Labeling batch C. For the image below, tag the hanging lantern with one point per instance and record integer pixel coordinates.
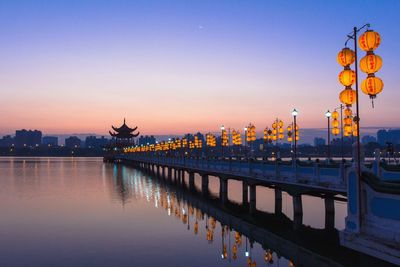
(347, 77)
(369, 40)
(335, 115)
(371, 63)
(335, 123)
(347, 120)
(348, 112)
(348, 128)
(372, 86)
(335, 131)
(346, 57)
(280, 123)
(348, 96)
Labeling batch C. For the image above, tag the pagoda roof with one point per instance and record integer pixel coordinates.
(124, 131)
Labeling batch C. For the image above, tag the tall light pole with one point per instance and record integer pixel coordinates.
(328, 115)
(222, 140)
(294, 114)
(245, 141)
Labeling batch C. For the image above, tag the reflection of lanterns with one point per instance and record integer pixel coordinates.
(234, 252)
(372, 86)
(346, 57)
(347, 77)
(371, 63)
(369, 40)
(348, 96)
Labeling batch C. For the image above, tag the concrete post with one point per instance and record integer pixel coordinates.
(252, 199)
(223, 189)
(245, 194)
(191, 181)
(204, 185)
(297, 211)
(278, 201)
(329, 213)
(376, 164)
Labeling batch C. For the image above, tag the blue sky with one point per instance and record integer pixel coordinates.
(179, 66)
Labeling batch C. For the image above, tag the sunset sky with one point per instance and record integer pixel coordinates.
(171, 67)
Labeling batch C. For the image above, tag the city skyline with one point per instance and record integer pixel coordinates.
(173, 68)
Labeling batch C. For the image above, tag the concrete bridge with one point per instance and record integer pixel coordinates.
(303, 245)
(373, 221)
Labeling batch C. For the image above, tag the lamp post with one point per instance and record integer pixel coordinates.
(328, 115)
(245, 141)
(222, 140)
(294, 114)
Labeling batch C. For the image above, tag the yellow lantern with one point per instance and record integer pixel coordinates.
(348, 128)
(346, 57)
(372, 86)
(335, 131)
(335, 115)
(369, 40)
(348, 112)
(348, 96)
(371, 63)
(345, 133)
(347, 77)
(347, 120)
(280, 124)
(335, 123)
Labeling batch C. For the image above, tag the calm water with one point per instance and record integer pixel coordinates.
(81, 212)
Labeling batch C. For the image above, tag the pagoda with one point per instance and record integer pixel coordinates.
(124, 135)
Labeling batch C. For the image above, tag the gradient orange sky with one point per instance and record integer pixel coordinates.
(177, 66)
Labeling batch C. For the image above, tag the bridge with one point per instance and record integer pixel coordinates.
(373, 221)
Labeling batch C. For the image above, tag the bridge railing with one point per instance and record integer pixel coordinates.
(288, 171)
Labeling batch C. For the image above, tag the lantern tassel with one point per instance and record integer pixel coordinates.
(372, 103)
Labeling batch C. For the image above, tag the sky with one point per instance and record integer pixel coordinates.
(173, 67)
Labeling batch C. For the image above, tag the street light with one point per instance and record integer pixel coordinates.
(245, 141)
(294, 114)
(328, 115)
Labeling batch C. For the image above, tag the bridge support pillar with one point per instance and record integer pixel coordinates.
(297, 211)
(204, 185)
(329, 213)
(169, 173)
(163, 171)
(245, 194)
(278, 201)
(191, 181)
(223, 189)
(252, 207)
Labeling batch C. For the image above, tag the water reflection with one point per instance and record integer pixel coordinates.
(264, 239)
(81, 212)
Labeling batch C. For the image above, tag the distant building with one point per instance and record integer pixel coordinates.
(7, 141)
(368, 139)
(73, 142)
(30, 138)
(319, 141)
(50, 140)
(388, 136)
(144, 140)
(94, 142)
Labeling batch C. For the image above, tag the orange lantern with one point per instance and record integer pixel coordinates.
(348, 96)
(347, 120)
(371, 63)
(372, 86)
(348, 112)
(335, 115)
(335, 123)
(346, 57)
(348, 128)
(347, 77)
(335, 131)
(369, 40)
